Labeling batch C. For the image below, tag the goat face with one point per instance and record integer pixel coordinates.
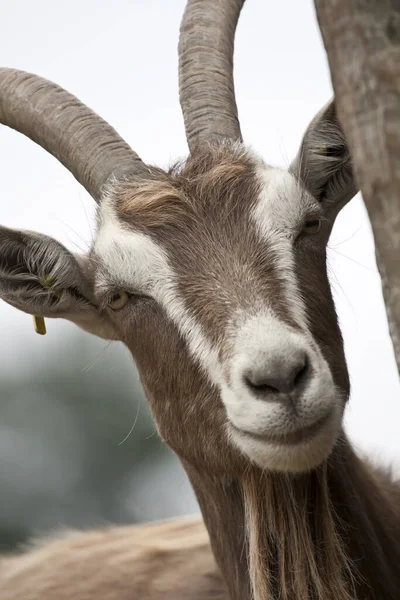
(214, 275)
(224, 267)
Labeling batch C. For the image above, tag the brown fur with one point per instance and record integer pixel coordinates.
(188, 186)
(331, 534)
(329, 539)
(167, 561)
(297, 545)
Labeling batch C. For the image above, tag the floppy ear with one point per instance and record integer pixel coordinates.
(41, 277)
(323, 161)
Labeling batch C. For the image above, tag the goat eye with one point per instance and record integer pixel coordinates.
(312, 226)
(118, 301)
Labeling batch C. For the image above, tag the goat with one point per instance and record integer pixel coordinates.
(214, 276)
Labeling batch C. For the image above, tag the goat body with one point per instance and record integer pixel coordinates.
(170, 560)
(214, 276)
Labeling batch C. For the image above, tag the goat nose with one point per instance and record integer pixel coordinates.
(278, 375)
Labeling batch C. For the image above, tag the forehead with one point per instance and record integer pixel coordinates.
(218, 204)
(282, 202)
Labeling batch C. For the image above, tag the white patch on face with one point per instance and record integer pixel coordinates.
(137, 263)
(262, 341)
(259, 423)
(280, 209)
(284, 457)
(283, 203)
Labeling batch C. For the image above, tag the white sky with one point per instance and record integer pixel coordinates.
(120, 58)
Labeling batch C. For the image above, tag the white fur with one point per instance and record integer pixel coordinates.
(259, 338)
(281, 208)
(137, 263)
(291, 458)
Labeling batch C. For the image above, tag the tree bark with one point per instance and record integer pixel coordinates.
(362, 40)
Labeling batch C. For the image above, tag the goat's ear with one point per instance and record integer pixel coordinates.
(41, 277)
(323, 163)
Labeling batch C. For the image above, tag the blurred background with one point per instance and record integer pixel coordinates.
(77, 444)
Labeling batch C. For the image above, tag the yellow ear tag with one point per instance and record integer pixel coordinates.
(321, 150)
(39, 325)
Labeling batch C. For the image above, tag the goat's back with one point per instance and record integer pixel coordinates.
(170, 560)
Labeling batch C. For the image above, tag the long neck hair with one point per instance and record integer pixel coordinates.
(332, 534)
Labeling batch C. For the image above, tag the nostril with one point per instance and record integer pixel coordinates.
(277, 377)
(301, 373)
(259, 385)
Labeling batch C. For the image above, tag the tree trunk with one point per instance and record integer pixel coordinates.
(362, 40)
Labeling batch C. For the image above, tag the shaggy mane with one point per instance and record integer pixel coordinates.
(213, 173)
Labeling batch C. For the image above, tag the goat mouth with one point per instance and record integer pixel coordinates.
(289, 438)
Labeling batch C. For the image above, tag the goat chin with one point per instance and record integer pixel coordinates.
(300, 455)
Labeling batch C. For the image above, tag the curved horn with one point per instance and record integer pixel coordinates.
(206, 85)
(88, 146)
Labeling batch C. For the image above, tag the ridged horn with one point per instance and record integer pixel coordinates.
(206, 87)
(52, 117)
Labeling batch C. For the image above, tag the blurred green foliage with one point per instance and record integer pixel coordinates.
(76, 444)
